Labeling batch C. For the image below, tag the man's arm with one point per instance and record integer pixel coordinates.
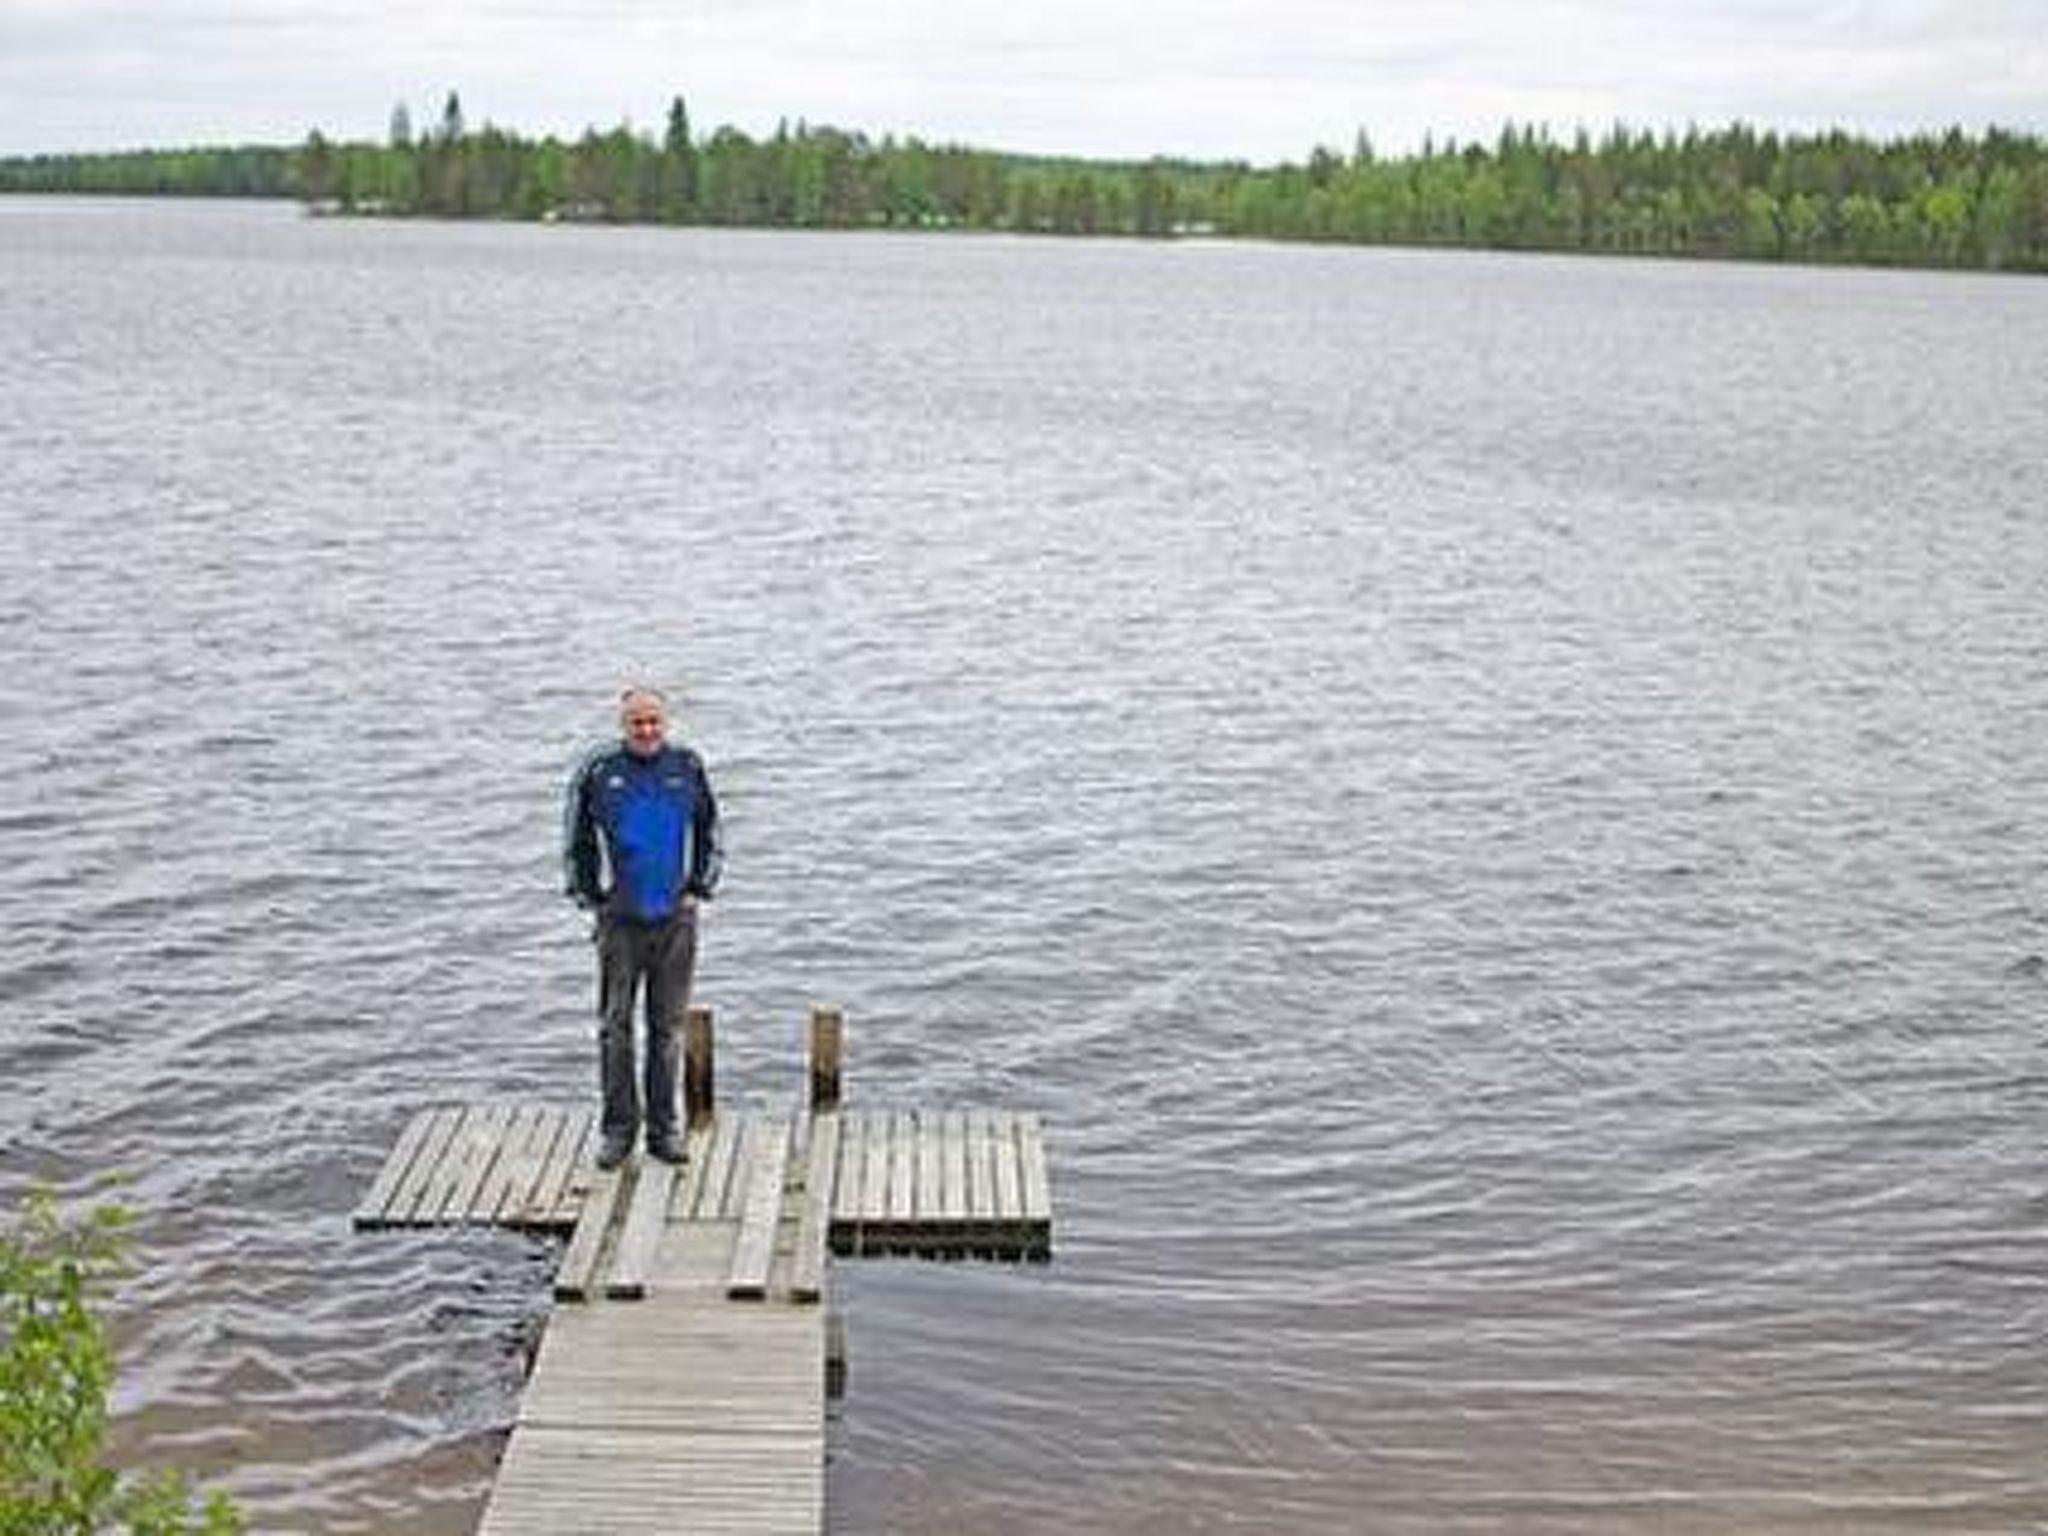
(582, 861)
(705, 840)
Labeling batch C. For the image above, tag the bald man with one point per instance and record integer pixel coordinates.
(641, 851)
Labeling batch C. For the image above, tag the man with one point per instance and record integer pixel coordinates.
(641, 849)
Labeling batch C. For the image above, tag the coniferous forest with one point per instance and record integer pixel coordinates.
(1952, 199)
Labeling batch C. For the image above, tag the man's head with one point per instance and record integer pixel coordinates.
(643, 721)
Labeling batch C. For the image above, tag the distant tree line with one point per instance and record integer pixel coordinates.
(1952, 199)
(247, 171)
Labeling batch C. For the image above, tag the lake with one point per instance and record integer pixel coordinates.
(1493, 803)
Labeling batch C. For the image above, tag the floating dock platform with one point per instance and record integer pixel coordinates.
(682, 1388)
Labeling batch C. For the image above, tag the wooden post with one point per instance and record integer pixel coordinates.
(698, 1086)
(828, 1041)
(835, 1354)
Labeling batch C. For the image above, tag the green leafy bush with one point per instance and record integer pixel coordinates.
(56, 1368)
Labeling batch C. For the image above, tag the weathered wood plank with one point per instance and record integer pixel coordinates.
(527, 1132)
(713, 1197)
(1037, 1186)
(696, 1153)
(684, 1412)
(555, 1142)
(458, 1167)
(981, 1185)
(576, 1278)
(994, 1234)
(766, 1169)
(373, 1209)
(926, 1198)
(440, 1163)
(874, 1199)
(656, 1484)
(846, 1193)
(646, 1214)
(559, 1193)
(1009, 1193)
(844, 1235)
(452, 1170)
(821, 1171)
(419, 1178)
(680, 1360)
(902, 1176)
(484, 1144)
(952, 1211)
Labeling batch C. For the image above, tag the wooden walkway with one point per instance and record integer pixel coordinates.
(905, 1181)
(684, 1391)
(688, 1392)
(680, 1413)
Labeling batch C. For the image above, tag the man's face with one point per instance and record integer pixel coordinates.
(644, 724)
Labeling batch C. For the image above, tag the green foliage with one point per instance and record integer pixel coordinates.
(1947, 200)
(56, 1369)
(247, 171)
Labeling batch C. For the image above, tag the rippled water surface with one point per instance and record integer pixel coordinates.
(1495, 805)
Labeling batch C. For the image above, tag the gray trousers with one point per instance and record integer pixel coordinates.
(659, 959)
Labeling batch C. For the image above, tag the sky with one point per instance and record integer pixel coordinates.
(1257, 80)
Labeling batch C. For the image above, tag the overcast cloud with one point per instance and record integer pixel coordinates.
(1262, 80)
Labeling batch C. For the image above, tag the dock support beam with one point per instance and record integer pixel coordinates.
(828, 1043)
(698, 1087)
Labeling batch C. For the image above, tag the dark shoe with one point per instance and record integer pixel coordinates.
(663, 1149)
(613, 1153)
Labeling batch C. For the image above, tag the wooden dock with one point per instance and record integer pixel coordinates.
(684, 1388)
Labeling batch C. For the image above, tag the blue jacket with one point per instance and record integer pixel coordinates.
(640, 833)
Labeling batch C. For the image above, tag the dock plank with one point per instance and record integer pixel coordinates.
(468, 1142)
(565, 1182)
(684, 1412)
(484, 1144)
(655, 1484)
(419, 1178)
(1008, 1180)
(713, 1195)
(981, 1185)
(514, 1162)
(680, 1360)
(696, 1153)
(844, 1234)
(1037, 1186)
(646, 1214)
(902, 1217)
(926, 1198)
(766, 1166)
(372, 1210)
(952, 1209)
(576, 1277)
(874, 1199)
(846, 1189)
(528, 1139)
(807, 1268)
